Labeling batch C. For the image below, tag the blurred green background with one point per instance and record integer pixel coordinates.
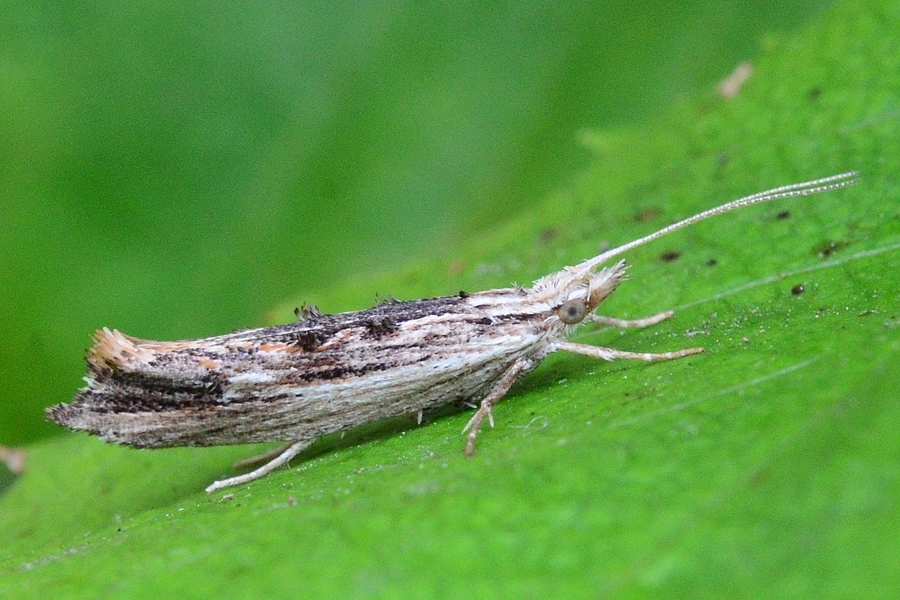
(178, 169)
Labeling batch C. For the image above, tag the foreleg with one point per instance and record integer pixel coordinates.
(613, 354)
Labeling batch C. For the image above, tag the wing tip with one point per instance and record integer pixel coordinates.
(112, 348)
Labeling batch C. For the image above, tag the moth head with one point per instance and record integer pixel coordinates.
(573, 296)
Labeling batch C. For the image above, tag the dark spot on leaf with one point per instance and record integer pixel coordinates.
(648, 214)
(547, 235)
(814, 93)
(712, 262)
(785, 214)
(829, 247)
(670, 256)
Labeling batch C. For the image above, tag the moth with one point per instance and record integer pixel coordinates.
(328, 373)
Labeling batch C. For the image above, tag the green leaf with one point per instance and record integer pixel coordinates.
(765, 468)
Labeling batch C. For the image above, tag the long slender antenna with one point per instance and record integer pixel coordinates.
(826, 184)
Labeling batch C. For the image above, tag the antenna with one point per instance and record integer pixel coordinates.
(826, 184)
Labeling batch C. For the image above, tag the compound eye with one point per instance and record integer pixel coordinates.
(572, 311)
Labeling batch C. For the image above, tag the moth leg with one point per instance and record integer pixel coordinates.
(262, 458)
(645, 322)
(494, 396)
(282, 459)
(612, 354)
